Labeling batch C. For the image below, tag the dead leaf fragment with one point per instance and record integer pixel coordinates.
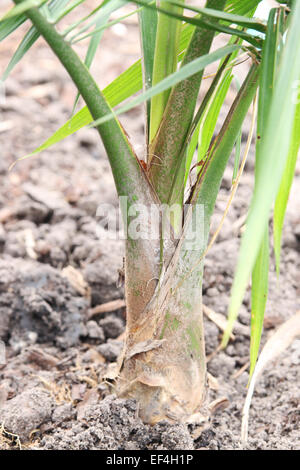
(112, 372)
(29, 242)
(90, 398)
(212, 382)
(78, 391)
(144, 346)
(216, 318)
(221, 322)
(107, 307)
(77, 281)
(218, 404)
(41, 358)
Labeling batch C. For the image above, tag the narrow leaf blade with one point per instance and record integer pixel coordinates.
(22, 8)
(184, 72)
(285, 186)
(211, 117)
(259, 289)
(148, 28)
(165, 61)
(275, 143)
(9, 25)
(259, 293)
(29, 39)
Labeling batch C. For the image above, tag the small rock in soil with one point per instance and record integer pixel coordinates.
(94, 331)
(112, 326)
(27, 412)
(34, 211)
(102, 274)
(111, 350)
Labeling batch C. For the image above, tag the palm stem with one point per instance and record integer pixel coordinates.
(166, 148)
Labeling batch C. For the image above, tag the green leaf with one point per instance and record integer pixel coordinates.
(29, 39)
(79, 36)
(192, 139)
(209, 180)
(239, 7)
(58, 9)
(285, 186)
(184, 72)
(8, 26)
(239, 20)
(206, 24)
(237, 157)
(148, 28)
(211, 116)
(238, 144)
(259, 294)
(94, 43)
(22, 8)
(129, 178)
(191, 142)
(100, 20)
(165, 61)
(275, 144)
(65, 11)
(260, 273)
(55, 9)
(193, 135)
(191, 150)
(208, 183)
(167, 158)
(124, 86)
(95, 17)
(267, 78)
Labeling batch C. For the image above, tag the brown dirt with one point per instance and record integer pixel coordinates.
(52, 393)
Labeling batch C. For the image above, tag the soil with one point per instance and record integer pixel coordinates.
(54, 269)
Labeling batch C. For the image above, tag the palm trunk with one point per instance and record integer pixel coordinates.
(163, 365)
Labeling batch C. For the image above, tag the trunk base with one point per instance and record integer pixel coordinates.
(166, 388)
